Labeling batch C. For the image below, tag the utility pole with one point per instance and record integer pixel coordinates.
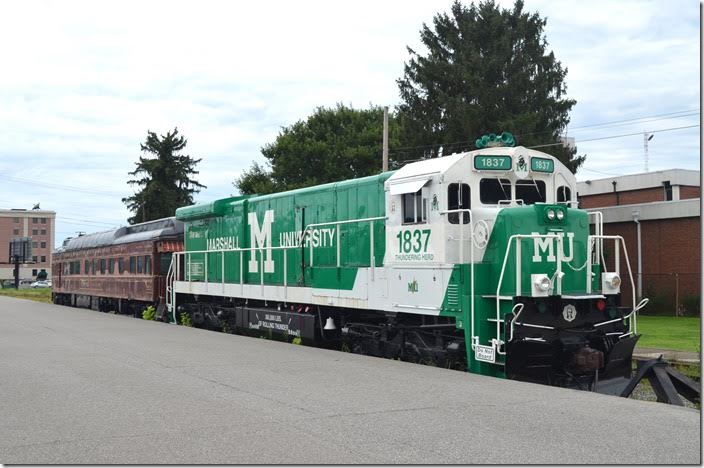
(646, 138)
(385, 147)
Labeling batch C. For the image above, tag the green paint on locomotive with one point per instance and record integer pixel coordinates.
(536, 257)
(278, 220)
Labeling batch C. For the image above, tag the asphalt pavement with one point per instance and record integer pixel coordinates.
(84, 387)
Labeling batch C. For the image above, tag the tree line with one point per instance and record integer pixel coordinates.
(484, 69)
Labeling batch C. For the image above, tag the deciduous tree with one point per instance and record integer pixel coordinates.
(332, 144)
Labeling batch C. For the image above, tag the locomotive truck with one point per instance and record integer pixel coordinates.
(479, 260)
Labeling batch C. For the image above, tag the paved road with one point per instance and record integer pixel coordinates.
(78, 386)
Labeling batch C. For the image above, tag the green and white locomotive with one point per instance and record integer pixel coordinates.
(478, 261)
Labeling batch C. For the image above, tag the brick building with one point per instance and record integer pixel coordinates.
(37, 224)
(663, 207)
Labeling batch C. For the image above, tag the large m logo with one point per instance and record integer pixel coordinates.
(261, 239)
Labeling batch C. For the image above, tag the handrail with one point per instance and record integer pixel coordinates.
(337, 235)
(177, 255)
(599, 231)
(519, 237)
(471, 264)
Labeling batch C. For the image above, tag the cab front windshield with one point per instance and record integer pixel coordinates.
(495, 191)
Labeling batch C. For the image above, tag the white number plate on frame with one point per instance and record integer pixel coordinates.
(484, 353)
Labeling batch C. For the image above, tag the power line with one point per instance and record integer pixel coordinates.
(20, 180)
(693, 112)
(618, 136)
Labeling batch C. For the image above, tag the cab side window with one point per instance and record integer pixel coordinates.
(491, 191)
(530, 191)
(458, 199)
(415, 208)
(564, 194)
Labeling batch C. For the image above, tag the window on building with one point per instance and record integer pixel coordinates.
(43, 220)
(140, 264)
(111, 266)
(43, 232)
(15, 220)
(43, 258)
(415, 208)
(148, 265)
(35, 232)
(668, 190)
(16, 232)
(458, 198)
(93, 265)
(121, 265)
(564, 194)
(34, 259)
(491, 191)
(530, 191)
(35, 220)
(34, 272)
(43, 245)
(102, 266)
(86, 267)
(35, 245)
(133, 264)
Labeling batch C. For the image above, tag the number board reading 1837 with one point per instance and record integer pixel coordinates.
(492, 163)
(542, 165)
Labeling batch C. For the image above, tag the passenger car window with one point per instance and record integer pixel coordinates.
(530, 191)
(458, 198)
(491, 191)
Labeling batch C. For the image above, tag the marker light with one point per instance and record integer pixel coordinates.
(551, 214)
(560, 215)
(601, 305)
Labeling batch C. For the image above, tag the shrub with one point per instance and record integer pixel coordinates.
(149, 313)
(186, 319)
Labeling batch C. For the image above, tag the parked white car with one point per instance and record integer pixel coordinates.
(40, 284)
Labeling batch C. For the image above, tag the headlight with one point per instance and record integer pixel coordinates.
(560, 215)
(551, 214)
(610, 283)
(543, 283)
(540, 285)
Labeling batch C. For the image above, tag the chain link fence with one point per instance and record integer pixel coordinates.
(676, 294)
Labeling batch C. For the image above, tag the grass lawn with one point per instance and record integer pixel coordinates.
(38, 294)
(677, 333)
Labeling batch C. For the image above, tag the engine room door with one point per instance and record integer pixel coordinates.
(299, 255)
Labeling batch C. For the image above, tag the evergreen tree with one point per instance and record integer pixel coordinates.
(332, 144)
(165, 180)
(486, 71)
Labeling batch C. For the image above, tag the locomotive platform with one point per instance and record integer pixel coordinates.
(84, 387)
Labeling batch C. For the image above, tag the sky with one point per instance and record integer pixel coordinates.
(82, 82)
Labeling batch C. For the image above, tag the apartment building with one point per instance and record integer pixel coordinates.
(38, 224)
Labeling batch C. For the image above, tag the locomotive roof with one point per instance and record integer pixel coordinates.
(165, 227)
(423, 170)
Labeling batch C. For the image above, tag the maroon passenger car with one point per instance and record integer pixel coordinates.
(121, 270)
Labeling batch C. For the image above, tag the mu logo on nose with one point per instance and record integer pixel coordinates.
(541, 246)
